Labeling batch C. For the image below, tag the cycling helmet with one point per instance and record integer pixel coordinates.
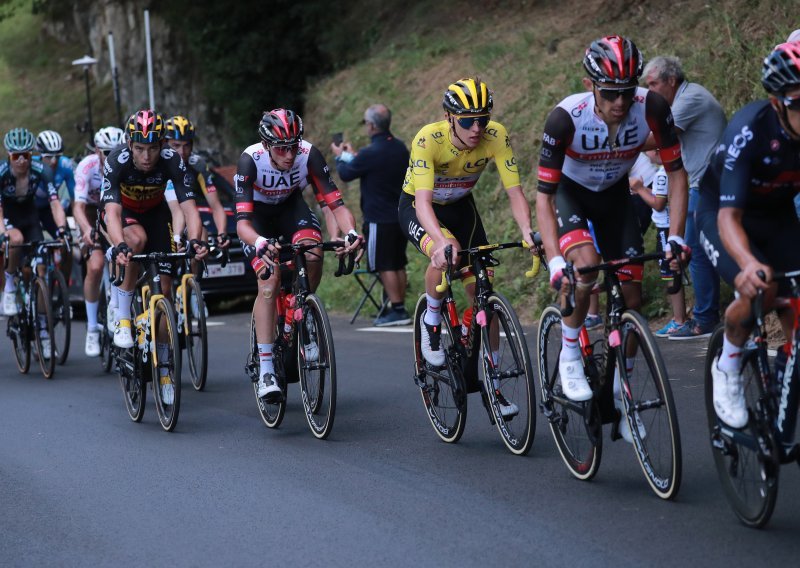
(108, 138)
(781, 68)
(613, 59)
(145, 127)
(468, 96)
(179, 128)
(19, 140)
(49, 142)
(281, 127)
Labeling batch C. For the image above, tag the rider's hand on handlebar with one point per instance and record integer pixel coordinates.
(438, 260)
(352, 242)
(200, 248)
(556, 267)
(223, 240)
(683, 258)
(267, 250)
(123, 254)
(86, 239)
(748, 281)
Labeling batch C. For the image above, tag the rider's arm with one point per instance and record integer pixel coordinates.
(81, 196)
(557, 136)
(509, 174)
(52, 193)
(325, 189)
(111, 198)
(521, 211)
(185, 193)
(659, 118)
(67, 167)
(245, 175)
(218, 212)
(2, 220)
(205, 179)
(178, 221)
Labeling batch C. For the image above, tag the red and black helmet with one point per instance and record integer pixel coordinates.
(781, 69)
(614, 59)
(280, 127)
(145, 126)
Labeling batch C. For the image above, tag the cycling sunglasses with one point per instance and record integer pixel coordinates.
(792, 103)
(50, 156)
(467, 122)
(627, 93)
(17, 155)
(286, 150)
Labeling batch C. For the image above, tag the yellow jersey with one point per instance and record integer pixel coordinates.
(437, 165)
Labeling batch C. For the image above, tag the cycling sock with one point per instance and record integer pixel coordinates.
(10, 284)
(162, 352)
(265, 359)
(124, 306)
(433, 315)
(570, 346)
(91, 315)
(113, 301)
(730, 361)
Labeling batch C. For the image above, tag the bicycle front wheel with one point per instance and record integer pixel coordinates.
(166, 363)
(62, 316)
(746, 460)
(508, 376)
(195, 333)
(272, 413)
(576, 426)
(106, 357)
(649, 406)
(42, 311)
(19, 330)
(443, 390)
(316, 362)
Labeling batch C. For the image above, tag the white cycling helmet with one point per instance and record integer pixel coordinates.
(49, 142)
(108, 138)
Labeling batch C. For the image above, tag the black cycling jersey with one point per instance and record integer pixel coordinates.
(40, 177)
(140, 191)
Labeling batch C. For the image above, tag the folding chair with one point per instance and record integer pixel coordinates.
(362, 276)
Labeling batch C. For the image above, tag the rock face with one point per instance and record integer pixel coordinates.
(178, 83)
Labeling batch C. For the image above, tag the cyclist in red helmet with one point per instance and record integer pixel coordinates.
(270, 178)
(590, 142)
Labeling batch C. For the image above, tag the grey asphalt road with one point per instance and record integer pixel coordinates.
(80, 484)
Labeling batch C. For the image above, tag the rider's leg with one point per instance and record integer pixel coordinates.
(91, 287)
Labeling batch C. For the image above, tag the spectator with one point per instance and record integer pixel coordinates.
(700, 121)
(381, 166)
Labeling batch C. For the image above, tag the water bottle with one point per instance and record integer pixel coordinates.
(466, 321)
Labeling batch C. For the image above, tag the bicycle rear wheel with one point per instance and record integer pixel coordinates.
(317, 374)
(508, 374)
(43, 330)
(649, 407)
(62, 316)
(166, 364)
(576, 426)
(746, 460)
(272, 413)
(195, 334)
(132, 381)
(443, 390)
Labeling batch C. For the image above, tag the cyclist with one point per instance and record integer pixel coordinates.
(137, 216)
(746, 216)
(270, 178)
(590, 142)
(437, 208)
(180, 134)
(50, 146)
(20, 179)
(88, 185)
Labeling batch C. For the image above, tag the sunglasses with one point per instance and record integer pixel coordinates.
(17, 155)
(467, 122)
(286, 150)
(627, 93)
(50, 156)
(792, 103)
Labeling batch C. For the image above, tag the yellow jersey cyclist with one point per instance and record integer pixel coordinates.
(437, 208)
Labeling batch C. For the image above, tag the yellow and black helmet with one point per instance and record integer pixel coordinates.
(468, 96)
(179, 128)
(145, 127)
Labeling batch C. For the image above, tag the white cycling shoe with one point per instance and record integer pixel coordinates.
(167, 391)
(573, 380)
(92, 346)
(10, 303)
(268, 388)
(122, 334)
(623, 427)
(431, 342)
(729, 402)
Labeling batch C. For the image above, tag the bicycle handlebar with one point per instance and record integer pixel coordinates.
(448, 254)
(148, 258)
(346, 266)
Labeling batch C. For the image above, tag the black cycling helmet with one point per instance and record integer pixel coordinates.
(281, 127)
(781, 68)
(613, 59)
(468, 96)
(145, 127)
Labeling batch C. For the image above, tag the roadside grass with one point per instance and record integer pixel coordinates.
(529, 54)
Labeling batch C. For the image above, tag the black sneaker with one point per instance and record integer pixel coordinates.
(392, 318)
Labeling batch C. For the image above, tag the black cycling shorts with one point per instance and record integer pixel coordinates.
(772, 239)
(157, 225)
(613, 216)
(386, 247)
(24, 218)
(292, 220)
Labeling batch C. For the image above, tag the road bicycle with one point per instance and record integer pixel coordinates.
(748, 459)
(34, 320)
(627, 354)
(491, 339)
(303, 350)
(155, 329)
(59, 297)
